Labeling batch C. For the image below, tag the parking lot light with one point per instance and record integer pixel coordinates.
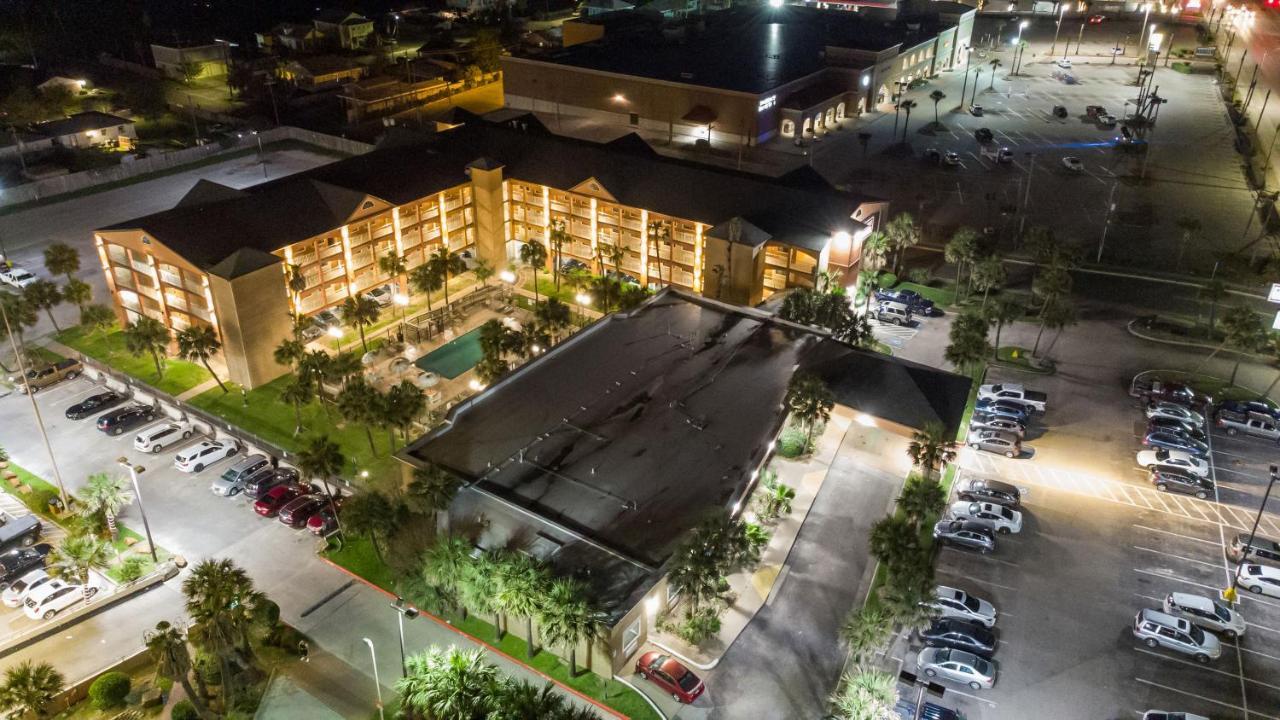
(134, 472)
(336, 333)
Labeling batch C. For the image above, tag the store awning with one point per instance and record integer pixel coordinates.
(700, 115)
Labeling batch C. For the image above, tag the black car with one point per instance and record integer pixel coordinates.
(1175, 426)
(572, 264)
(623, 277)
(16, 563)
(15, 531)
(258, 485)
(117, 421)
(961, 635)
(1169, 479)
(1059, 111)
(1240, 410)
(93, 404)
(983, 135)
(993, 491)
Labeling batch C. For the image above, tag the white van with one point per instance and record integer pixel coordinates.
(893, 312)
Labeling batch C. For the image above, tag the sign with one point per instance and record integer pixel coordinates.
(767, 103)
(1274, 295)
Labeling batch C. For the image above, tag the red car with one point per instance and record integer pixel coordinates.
(277, 497)
(1096, 19)
(299, 510)
(668, 674)
(324, 521)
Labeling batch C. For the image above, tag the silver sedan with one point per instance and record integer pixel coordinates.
(958, 666)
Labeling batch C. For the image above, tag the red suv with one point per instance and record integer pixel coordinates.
(668, 674)
(277, 497)
(299, 510)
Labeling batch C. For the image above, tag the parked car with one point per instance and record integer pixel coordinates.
(326, 319)
(52, 598)
(383, 295)
(1205, 612)
(997, 154)
(967, 535)
(1107, 121)
(203, 454)
(42, 377)
(1166, 715)
(1072, 163)
(15, 531)
(1175, 459)
(950, 158)
(1253, 426)
(277, 497)
(1261, 549)
(986, 490)
(158, 437)
(1003, 408)
(990, 515)
(961, 635)
(117, 421)
(1167, 479)
(568, 264)
(1097, 19)
(953, 603)
(16, 276)
(907, 709)
(1177, 426)
(892, 312)
(17, 592)
(1063, 63)
(1160, 629)
(1094, 111)
(299, 510)
(231, 481)
(1244, 409)
(914, 301)
(1174, 441)
(324, 521)
(258, 485)
(93, 404)
(1177, 393)
(227, 484)
(1174, 411)
(1060, 111)
(669, 674)
(957, 666)
(1013, 392)
(995, 441)
(991, 422)
(1260, 579)
(16, 563)
(975, 110)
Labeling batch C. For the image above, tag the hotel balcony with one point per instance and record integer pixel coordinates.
(331, 250)
(305, 258)
(333, 273)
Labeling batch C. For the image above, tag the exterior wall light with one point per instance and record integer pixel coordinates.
(507, 276)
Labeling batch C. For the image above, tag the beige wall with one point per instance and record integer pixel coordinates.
(741, 273)
(254, 314)
(487, 194)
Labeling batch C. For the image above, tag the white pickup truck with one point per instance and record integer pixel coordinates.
(1016, 393)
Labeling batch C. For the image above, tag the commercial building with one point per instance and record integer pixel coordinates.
(219, 257)
(598, 457)
(742, 75)
(193, 61)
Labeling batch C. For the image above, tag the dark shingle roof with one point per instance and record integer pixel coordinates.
(243, 262)
(80, 122)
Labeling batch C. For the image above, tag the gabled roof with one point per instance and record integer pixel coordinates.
(335, 16)
(207, 191)
(243, 262)
(80, 122)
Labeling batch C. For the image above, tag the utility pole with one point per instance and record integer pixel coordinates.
(271, 90)
(1080, 41)
(1106, 224)
(964, 89)
(1026, 197)
(1053, 49)
(22, 372)
(195, 124)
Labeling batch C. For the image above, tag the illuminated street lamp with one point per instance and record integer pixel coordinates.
(402, 301)
(583, 301)
(507, 276)
(377, 684)
(336, 333)
(134, 472)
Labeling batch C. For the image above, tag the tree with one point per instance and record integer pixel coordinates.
(876, 249)
(146, 335)
(962, 251)
(483, 270)
(866, 629)
(616, 254)
(903, 233)
(452, 683)
(478, 590)
(534, 254)
(994, 64)
(776, 498)
(62, 259)
(401, 405)
(75, 556)
(320, 458)
(969, 345)
(168, 649)
(21, 314)
(78, 293)
(1052, 282)
(29, 688)
(1004, 311)
(198, 343)
(554, 316)
(108, 495)
(1242, 330)
(359, 403)
(289, 352)
(299, 391)
(425, 281)
(988, 275)
(224, 608)
(522, 700)
(446, 565)
(809, 400)
(1213, 291)
(373, 515)
(444, 265)
(393, 266)
(431, 490)
(362, 311)
(907, 105)
(714, 548)
(566, 619)
(868, 284)
(930, 448)
(558, 237)
(866, 695)
(97, 317)
(522, 583)
(44, 295)
(921, 498)
(1057, 313)
(936, 96)
(894, 540)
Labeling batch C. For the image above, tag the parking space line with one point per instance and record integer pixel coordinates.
(1171, 576)
(952, 573)
(971, 697)
(1264, 628)
(1178, 557)
(1160, 499)
(1204, 667)
(1144, 681)
(1255, 652)
(1185, 537)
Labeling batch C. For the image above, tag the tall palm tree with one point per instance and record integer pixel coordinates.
(76, 556)
(554, 316)
(29, 688)
(988, 274)
(534, 254)
(44, 295)
(78, 293)
(444, 265)
(168, 649)
(615, 254)
(93, 317)
(865, 629)
(296, 283)
(994, 64)
(198, 343)
(298, 392)
(903, 233)
(425, 281)
(61, 259)
(483, 271)
(108, 495)
(875, 249)
(224, 607)
(522, 582)
(372, 514)
(930, 448)
(359, 403)
(402, 404)
(478, 590)
(566, 619)
(936, 96)
(558, 237)
(146, 335)
(961, 251)
(894, 540)
(522, 700)
(393, 266)
(810, 401)
(289, 352)
(22, 314)
(448, 683)
(921, 497)
(868, 284)
(1005, 311)
(362, 311)
(431, 490)
(968, 341)
(907, 105)
(446, 565)
(322, 459)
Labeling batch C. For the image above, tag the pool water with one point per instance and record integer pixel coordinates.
(454, 357)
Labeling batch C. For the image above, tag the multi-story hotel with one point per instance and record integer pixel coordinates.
(222, 256)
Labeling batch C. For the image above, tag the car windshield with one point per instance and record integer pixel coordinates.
(1197, 635)
(1006, 513)
(688, 682)
(982, 666)
(972, 604)
(1222, 613)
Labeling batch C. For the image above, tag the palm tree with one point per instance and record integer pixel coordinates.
(29, 688)
(865, 629)
(78, 293)
(522, 700)
(866, 695)
(224, 607)
(425, 281)
(930, 448)
(988, 275)
(372, 514)
(810, 401)
(483, 271)
(289, 352)
(1058, 312)
(1005, 311)
(362, 311)
(907, 105)
(566, 619)
(445, 264)
(321, 459)
(969, 345)
(446, 565)
(401, 405)
(1213, 291)
(478, 590)
(868, 284)
(616, 254)
(534, 254)
(875, 249)
(95, 317)
(296, 283)
(554, 315)
(936, 96)
(361, 404)
(522, 582)
(168, 649)
(146, 335)
(961, 251)
(558, 237)
(430, 491)
(894, 539)
(777, 497)
(448, 683)
(61, 259)
(902, 233)
(994, 64)
(297, 392)
(75, 556)
(393, 266)
(198, 343)
(108, 495)
(44, 295)
(921, 498)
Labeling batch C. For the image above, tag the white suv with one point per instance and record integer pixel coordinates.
(51, 598)
(157, 437)
(1205, 612)
(1159, 629)
(1260, 579)
(997, 517)
(203, 454)
(1161, 459)
(953, 603)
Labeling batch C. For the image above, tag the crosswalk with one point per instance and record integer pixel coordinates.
(1024, 472)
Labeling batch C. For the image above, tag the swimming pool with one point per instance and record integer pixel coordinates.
(454, 357)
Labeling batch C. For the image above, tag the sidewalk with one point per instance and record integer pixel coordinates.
(752, 587)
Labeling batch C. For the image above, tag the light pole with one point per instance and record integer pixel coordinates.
(1230, 593)
(1026, 198)
(134, 472)
(977, 78)
(1079, 42)
(262, 158)
(1146, 15)
(583, 301)
(964, 88)
(377, 684)
(336, 333)
(1053, 49)
(402, 301)
(35, 407)
(402, 611)
(1106, 224)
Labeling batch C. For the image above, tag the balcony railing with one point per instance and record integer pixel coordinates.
(332, 273)
(330, 251)
(304, 258)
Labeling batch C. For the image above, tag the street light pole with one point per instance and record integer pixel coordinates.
(134, 471)
(1053, 49)
(1146, 15)
(1230, 593)
(1026, 198)
(377, 684)
(35, 407)
(964, 88)
(403, 611)
(1106, 224)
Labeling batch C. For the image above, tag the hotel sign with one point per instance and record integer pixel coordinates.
(767, 103)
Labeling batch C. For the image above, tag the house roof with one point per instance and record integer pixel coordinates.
(243, 262)
(334, 16)
(80, 122)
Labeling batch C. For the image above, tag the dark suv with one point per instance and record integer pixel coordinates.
(117, 421)
(94, 403)
(994, 491)
(262, 481)
(1170, 479)
(1262, 550)
(22, 531)
(16, 563)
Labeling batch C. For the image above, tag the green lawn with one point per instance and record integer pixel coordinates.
(272, 419)
(942, 297)
(358, 556)
(108, 346)
(1020, 358)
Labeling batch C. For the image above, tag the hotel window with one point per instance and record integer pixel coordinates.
(631, 638)
(673, 594)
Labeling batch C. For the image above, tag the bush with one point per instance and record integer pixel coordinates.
(208, 668)
(792, 443)
(38, 500)
(888, 279)
(699, 625)
(131, 568)
(109, 690)
(918, 275)
(184, 710)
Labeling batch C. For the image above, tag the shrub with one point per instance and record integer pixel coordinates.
(757, 538)
(131, 568)
(792, 443)
(888, 279)
(39, 500)
(210, 671)
(699, 625)
(184, 710)
(918, 275)
(109, 690)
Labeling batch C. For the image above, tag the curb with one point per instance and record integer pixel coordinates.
(641, 693)
(449, 626)
(1179, 343)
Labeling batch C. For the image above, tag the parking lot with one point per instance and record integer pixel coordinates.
(1099, 544)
